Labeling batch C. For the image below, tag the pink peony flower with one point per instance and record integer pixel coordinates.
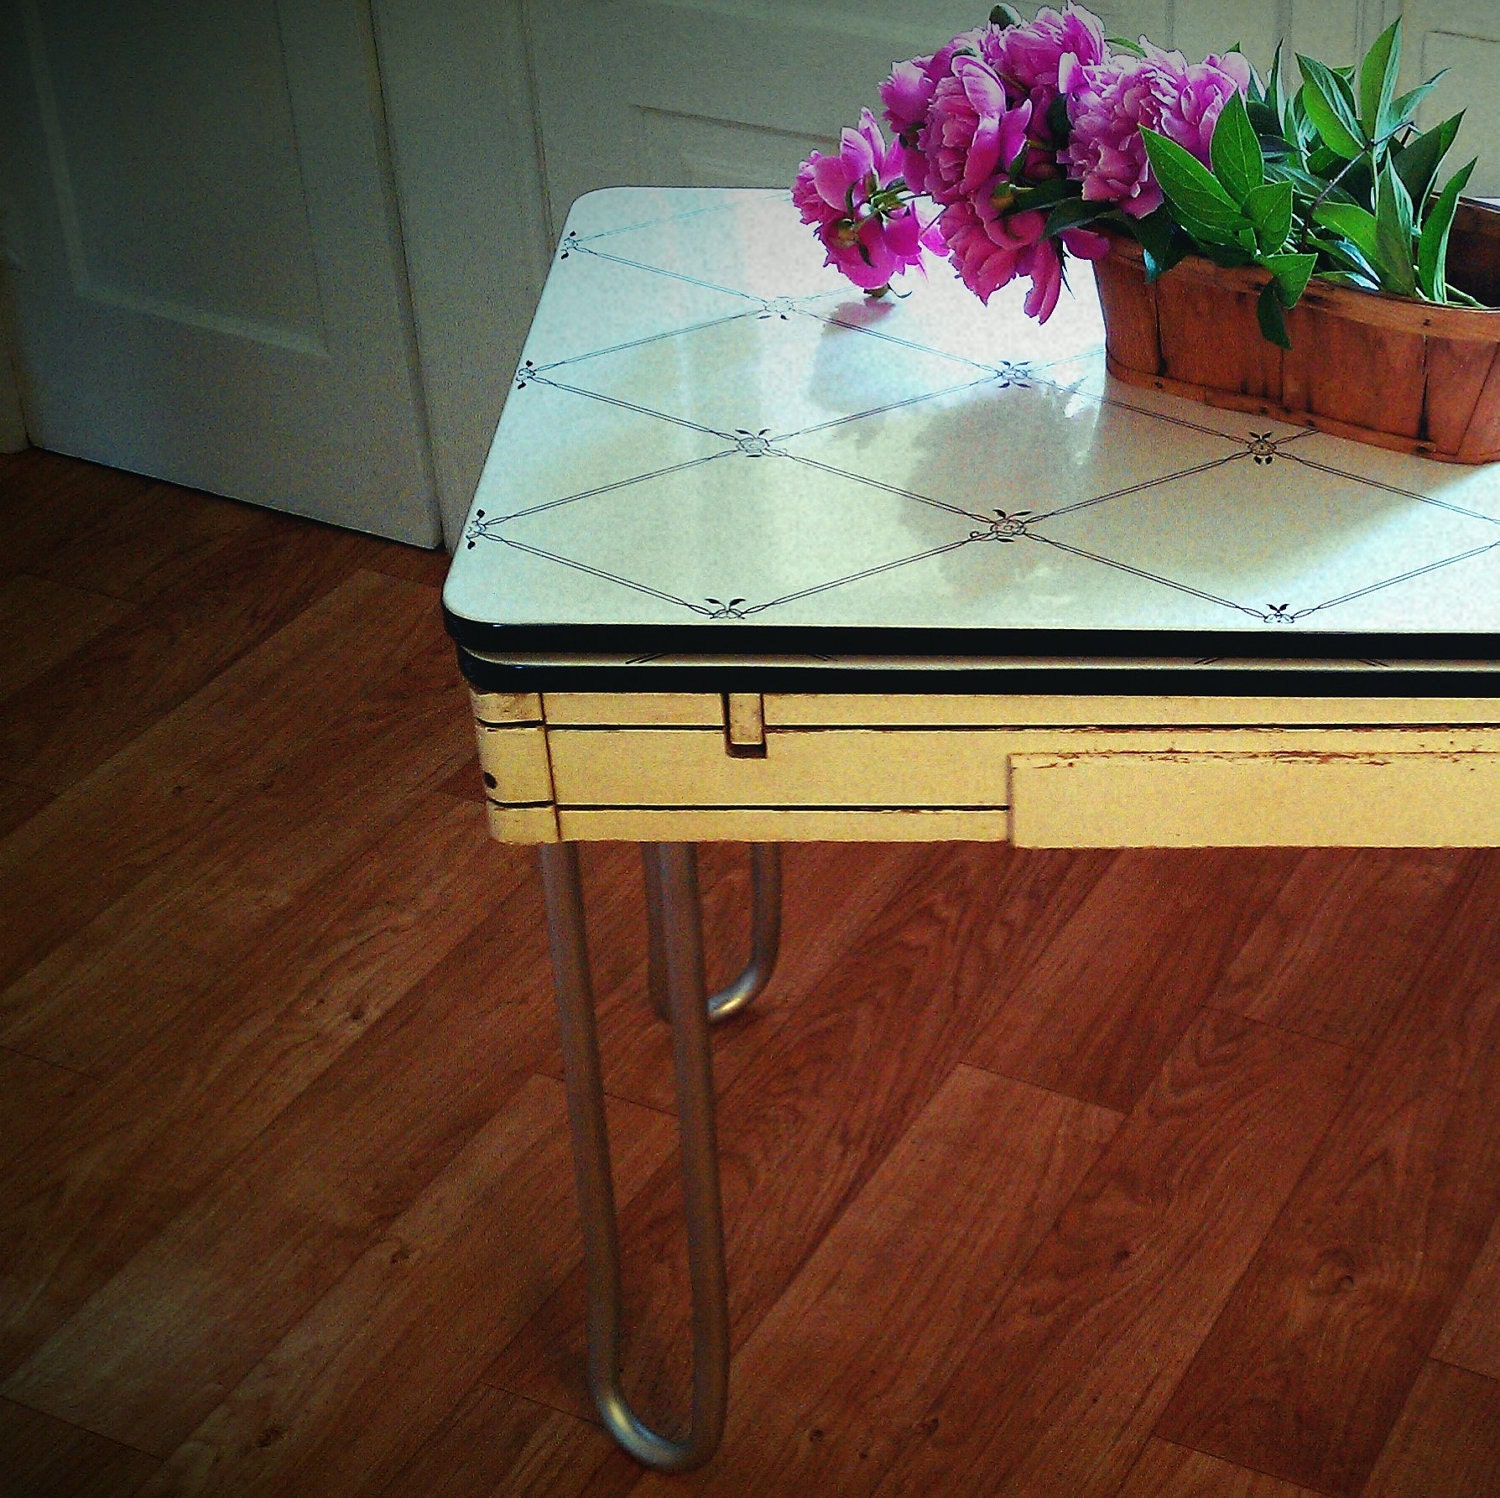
(1192, 96)
(989, 250)
(829, 188)
(986, 249)
(1038, 58)
(1110, 102)
(870, 230)
(972, 134)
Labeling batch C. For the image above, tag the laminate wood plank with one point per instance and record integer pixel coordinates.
(1309, 1366)
(1168, 1471)
(1338, 948)
(465, 782)
(495, 1444)
(836, 1079)
(1471, 1335)
(72, 718)
(45, 1458)
(1446, 1443)
(149, 541)
(101, 837)
(864, 1337)
(261, 1241)
(1099, 1011)
(113, 532)
(352, 1391)
(89, 1188)
(1060, 1389)
(33, 1096)
(18, 804)
(43, 623)
(49, 503)
(165, 897)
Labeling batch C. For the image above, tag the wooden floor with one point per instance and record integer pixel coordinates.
(1150, 1175)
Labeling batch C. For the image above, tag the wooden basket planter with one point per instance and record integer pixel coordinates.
(1395, 372)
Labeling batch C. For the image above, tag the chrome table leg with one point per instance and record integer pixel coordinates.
(676, 875)
(765, 936)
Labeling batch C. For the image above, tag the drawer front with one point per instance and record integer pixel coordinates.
(1247, 799)
(842, 768)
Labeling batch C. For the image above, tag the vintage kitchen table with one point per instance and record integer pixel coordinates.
(755, 559)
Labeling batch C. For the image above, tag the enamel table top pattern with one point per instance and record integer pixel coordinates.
(715, 440)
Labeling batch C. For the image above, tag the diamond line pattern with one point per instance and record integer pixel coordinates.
(803, 381)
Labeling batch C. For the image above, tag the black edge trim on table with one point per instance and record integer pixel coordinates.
(1120, 644)
(1019, 680)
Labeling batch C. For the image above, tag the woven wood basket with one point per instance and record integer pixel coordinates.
(1398, 373)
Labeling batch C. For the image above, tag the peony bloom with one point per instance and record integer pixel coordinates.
(907, 96)
(986, 250)
(989, 250)
(869, 230)
(1110, 102)
(972, 133)
(1192, 96)
(1037, 58)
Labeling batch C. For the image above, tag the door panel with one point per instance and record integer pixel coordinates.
(206, 280)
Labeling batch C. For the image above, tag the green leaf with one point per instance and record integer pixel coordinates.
(1419, 160)
(1269, 208)
(1229, 255)
(1204, 208)
(1393, 229)
(1303, 181)
(1044, 194)
(1073, 212)
(1124, 44)
(1292, 273)
(1265, 122)
(1344, 255)
(1058, 122)
(1005, 15)
(1330, 108)
(1271, 316)
(1406, 106)
(1162, 243)
(1353, 222)
(1432, 248)
(1275, 96)
(1350, 278)
(1377, 81)
(1235, 152)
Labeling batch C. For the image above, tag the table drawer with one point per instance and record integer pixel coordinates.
(1248, 799)
(837, 768)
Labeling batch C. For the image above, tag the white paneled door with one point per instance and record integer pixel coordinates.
(203, 255)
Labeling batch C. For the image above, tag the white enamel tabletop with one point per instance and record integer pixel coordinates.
(709, 428)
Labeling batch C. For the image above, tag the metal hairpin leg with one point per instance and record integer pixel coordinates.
(765, 935)
(676, 873)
